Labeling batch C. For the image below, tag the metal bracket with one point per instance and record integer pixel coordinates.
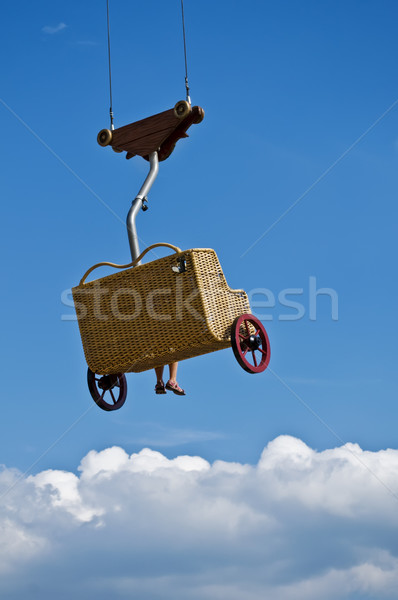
(182, 265)
(139, 202)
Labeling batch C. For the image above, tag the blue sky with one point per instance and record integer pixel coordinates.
(291, 178)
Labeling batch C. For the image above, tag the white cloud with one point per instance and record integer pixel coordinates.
(51, 29)
(300, 524)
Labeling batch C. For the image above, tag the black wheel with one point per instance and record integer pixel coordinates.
(250, 343)
(108, 391)
(182, 109)
(104, 137)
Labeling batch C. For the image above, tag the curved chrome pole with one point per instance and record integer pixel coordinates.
(137, 204)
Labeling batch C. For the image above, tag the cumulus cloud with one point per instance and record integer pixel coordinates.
(300, 524)
(52, 29)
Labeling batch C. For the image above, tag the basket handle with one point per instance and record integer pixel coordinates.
(132, 264)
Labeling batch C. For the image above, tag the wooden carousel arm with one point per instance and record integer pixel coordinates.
(158, 133)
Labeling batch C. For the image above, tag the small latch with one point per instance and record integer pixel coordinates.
(182, 266)
(144, 205)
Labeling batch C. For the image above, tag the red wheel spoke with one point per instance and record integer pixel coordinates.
(247, 329)
(113, 397)
(263, 351)
(254, 359)
(245, 352)
(103, 394)
(257, 332)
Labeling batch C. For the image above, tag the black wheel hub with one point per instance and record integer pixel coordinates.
(254, 342)
(107, 382)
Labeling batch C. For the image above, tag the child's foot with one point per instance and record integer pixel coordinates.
(174, 387)
(159, 388)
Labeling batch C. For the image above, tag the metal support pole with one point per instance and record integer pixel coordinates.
(137, 204)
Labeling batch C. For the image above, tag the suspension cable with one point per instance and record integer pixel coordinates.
(109, 66)
(185, 53)
(109, 60)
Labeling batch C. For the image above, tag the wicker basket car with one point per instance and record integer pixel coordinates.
(167, 310)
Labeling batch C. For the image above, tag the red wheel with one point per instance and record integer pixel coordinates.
(250, 343)
(108, 391)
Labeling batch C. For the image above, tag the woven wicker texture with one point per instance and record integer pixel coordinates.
(151, 315)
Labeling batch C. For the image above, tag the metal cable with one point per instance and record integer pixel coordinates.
(109, 66)
(185, 52)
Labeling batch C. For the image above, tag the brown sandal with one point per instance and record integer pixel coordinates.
(159, 388)
(174, 387)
